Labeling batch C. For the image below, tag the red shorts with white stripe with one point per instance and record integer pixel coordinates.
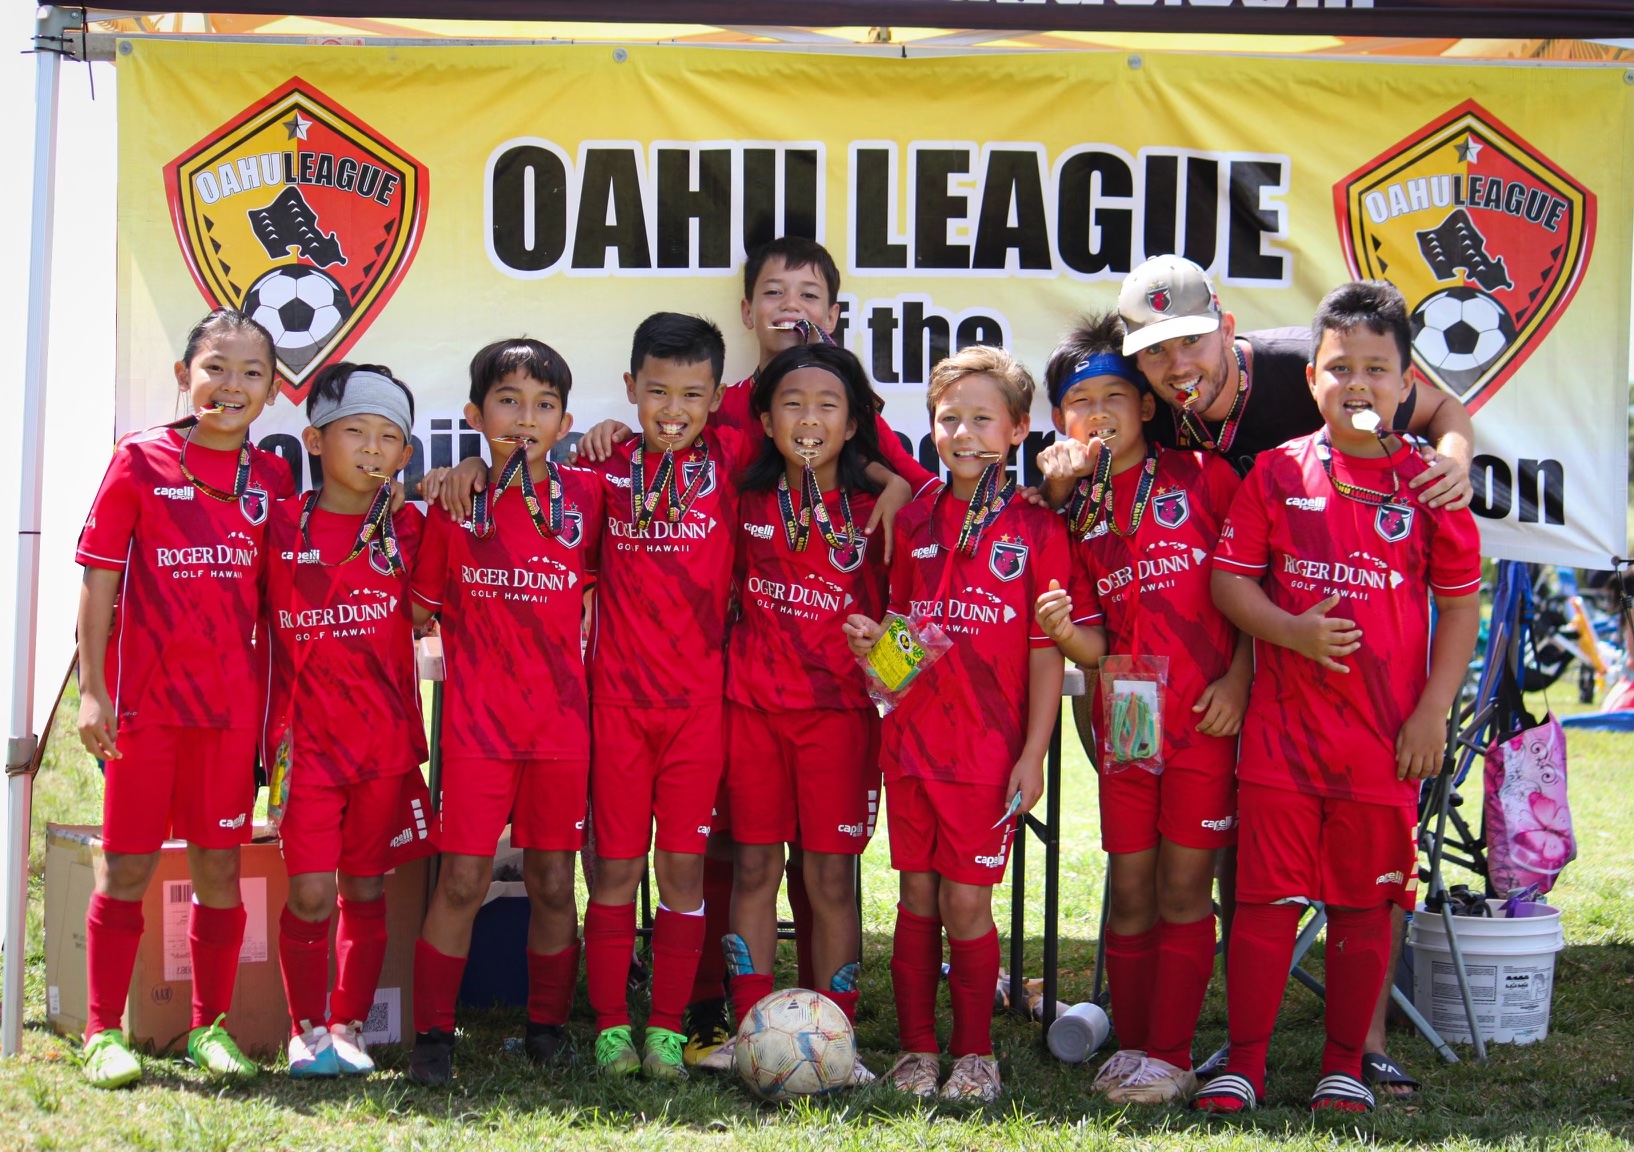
(193, 784)
(363, 829)
(1192, 803)
(948, 828)
(1341, 852)
(542, 800)
(809, 778)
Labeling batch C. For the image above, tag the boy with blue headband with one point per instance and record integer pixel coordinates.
(1144, 521)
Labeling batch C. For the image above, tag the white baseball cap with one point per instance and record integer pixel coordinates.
(1166, 297)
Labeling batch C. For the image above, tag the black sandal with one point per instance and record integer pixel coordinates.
(1384, 1073)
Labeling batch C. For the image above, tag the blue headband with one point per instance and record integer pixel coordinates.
(1099, 364)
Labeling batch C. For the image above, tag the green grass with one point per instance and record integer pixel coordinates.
(1571, 1091)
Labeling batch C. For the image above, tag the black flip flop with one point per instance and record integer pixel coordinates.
(1383, 1072)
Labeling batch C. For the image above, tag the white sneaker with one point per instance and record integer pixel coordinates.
(722, 1059)
(311, 1053)
(915, 1073)
(973, 1078)
(1121, 1065)
(1155, 1082)
(860, 1076)
(351, 1053)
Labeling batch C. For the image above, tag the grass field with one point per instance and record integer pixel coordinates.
(1573, 1091)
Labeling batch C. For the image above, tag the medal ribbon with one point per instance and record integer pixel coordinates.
(797, 526)
(376, 521)
(644, 501)
(1370, 496)
(547, 523)
(1093, 497)
(987, 503)
(1193, 427)
(241, 478)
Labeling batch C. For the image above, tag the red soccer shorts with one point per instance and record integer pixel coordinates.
(807, 778)
(1192, 803)
(947, 828)
(542, 800)
(1341, 852)
(654, 764)
(193, 784)
(363, 829)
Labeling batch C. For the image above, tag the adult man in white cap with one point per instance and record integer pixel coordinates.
(1241, 394)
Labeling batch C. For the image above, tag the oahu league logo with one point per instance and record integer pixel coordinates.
(300, 214)
(1486, 238)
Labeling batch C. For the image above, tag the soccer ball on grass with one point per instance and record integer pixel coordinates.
(795, 1043)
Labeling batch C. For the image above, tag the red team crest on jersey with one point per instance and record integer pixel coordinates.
(1170, 509)
(1483, 234)
(849, 558)
(1393, 521)
(1008, 559)
(253, 503)
(300, 214)
(572, 529)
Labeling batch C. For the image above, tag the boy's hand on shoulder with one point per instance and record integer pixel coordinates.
(1420, 744)
(1223, 704)
(598, 443)
(1054, 612)
(1324, 638)
(861, 633)
(98, 726)
(451, 489)
(896, 495)
(1445, 482)
(1027, 777)
(1067, 460)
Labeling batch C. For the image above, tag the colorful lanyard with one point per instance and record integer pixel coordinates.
(241, 479)
(516, 470)
(644, 501)
(1369, 496)
(1192, 426)
(797, 526)
(1093, 497)
(377, 520)
(987, 503)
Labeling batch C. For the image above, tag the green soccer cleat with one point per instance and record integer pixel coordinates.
(664, 1058)
(615, 1053)
(209, 1047)
(109, 1062)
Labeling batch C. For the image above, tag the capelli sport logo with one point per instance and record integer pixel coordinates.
(300, 214)
(1483, 234)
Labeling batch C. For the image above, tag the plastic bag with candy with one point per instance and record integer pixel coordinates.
(1132, 693)
(907, 646)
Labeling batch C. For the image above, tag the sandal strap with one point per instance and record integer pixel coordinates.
(1342, 1088)
(1228, 1086)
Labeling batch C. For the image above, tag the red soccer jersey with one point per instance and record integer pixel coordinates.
(1323, 732)
(180, 651)
(1151, 590)
(965, 717)
(788, 651)
(737, 412)
(660, 626)
(343, 644)
(509, 609)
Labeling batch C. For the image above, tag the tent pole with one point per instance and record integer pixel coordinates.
(50, 25)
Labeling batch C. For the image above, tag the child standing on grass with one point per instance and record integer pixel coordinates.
(1348, 711)
(969, 737)
(802, 736)
(1144, 521)
(169, 696)
(344, 708)
(507, 587)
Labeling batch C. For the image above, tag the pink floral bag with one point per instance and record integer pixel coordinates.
(1528, 823)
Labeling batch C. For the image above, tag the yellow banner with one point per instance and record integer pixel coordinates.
(405, 206)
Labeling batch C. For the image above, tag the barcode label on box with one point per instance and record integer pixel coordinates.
(178, 902)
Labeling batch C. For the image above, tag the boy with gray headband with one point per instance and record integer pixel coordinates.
(344, 738)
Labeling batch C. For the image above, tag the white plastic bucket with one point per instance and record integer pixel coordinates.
(1078, 1032)
(1511, 968)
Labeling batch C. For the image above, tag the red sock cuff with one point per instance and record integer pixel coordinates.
(115, 915)
(551, 977)
(437, 978)
(218, 927)
(847, 1002)
(1118, 944)
(363, 911)
(747, 991)
(303, 931)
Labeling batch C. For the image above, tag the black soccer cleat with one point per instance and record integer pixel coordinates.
(547, 1044)
(431, 1064)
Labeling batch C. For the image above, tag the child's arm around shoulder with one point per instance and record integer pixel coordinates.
(427, 584)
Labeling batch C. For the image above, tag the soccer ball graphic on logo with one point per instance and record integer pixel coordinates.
(302, 307)
(795, 1043)
(1459, 332)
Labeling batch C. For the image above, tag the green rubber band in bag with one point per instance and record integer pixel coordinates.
(1132, 697)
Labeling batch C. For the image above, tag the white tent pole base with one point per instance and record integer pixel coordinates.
(20, 747)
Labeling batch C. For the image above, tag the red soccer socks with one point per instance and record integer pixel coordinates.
(360, 953)
(436, 987)
(214, 937)
(609, 938)
(973, 974)
(1262, 947)
(1185, 961)
(113, 933)
(1358, 951)
(303, 959)
(550, 984)
(916, 970)
(1131, 971)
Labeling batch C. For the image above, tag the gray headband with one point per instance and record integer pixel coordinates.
(367, 393)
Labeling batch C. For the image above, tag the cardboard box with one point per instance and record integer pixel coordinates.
(160, 1004)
